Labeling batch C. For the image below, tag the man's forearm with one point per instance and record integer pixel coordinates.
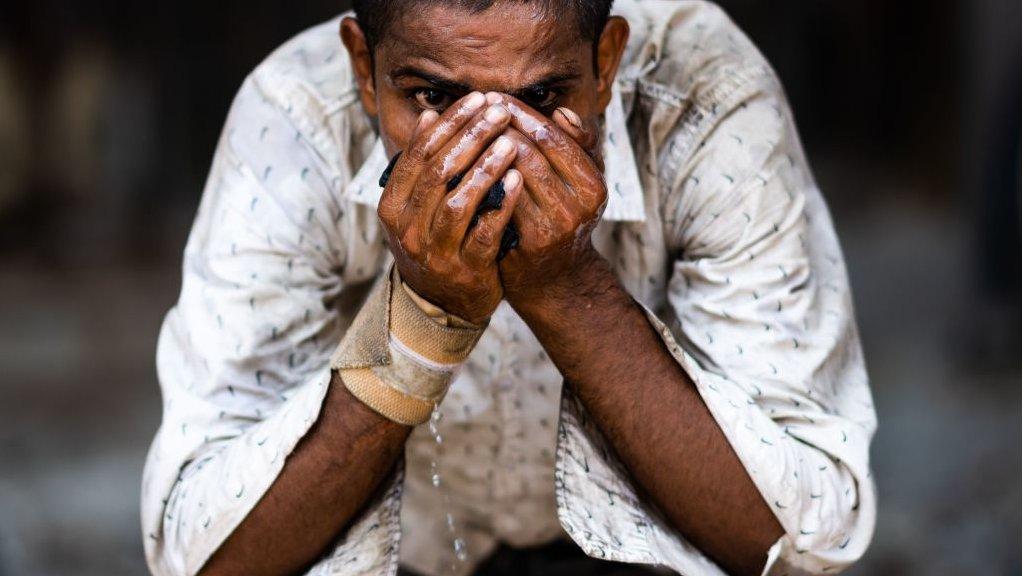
(649, 409)
(326, 481)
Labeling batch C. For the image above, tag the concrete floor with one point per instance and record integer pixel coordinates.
(79, 403)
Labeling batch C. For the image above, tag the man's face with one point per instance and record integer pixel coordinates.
(429, 59)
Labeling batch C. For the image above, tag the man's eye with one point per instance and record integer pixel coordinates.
(541, 97)
(430, 99)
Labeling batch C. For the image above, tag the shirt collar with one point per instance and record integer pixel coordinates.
(625, 192)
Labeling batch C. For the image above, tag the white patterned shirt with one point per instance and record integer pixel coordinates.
(713, 223)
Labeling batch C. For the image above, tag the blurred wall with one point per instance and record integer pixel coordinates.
(109, 112)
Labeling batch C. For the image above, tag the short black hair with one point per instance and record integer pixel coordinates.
(375, 15)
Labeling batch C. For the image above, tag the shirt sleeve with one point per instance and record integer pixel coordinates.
(759, 315)
(243, 356)
(762, 321)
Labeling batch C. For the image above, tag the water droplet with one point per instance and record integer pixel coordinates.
(458, 544)
(435, 419)
(460, 549)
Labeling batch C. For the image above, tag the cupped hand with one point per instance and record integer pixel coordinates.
(564, 197)
(430, 197)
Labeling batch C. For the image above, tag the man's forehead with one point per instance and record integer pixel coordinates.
(510, 44)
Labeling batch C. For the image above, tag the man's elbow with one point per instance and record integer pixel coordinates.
(751, 558)
(840, 537)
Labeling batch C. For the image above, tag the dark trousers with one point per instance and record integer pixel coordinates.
(559, 558)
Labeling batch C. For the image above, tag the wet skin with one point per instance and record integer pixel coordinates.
(544, 94)
(509, 93)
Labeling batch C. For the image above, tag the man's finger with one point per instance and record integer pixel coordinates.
(429, 137)
(568, 158)
(483, 241)
(544, 187)
(455, 214)
(464, 147)
(571, 124)
(394, 197)
(587, 138)
(427, 144)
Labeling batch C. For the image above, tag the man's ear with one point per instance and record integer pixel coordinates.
(362, 62)
(610, 47)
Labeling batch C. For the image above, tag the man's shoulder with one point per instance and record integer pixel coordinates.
(310, 69)
(305, 88)
(691, 52)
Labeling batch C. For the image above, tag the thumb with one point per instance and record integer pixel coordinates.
(572, 125)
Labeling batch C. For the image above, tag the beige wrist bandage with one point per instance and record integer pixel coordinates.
(401, 352)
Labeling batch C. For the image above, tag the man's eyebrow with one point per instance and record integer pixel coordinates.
(459, 88)
(443, 83)
(546, 82)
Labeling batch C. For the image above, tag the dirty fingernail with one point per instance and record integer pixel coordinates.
(496, 113)
(475, 100)
(426, 118)
(572, 117)
(503, 146)
(511, 179)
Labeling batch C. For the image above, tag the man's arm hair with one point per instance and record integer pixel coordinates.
(652, 414)
(333, 472)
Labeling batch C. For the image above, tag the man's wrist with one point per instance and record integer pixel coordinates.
(438, 314)
(573, 310)
(588, 282)
(397, 358)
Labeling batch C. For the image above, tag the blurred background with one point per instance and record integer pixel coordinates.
(109, 113)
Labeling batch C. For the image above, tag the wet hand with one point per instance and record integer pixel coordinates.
(427, 209)
(564, 197)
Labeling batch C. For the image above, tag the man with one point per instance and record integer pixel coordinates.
(487, 199)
